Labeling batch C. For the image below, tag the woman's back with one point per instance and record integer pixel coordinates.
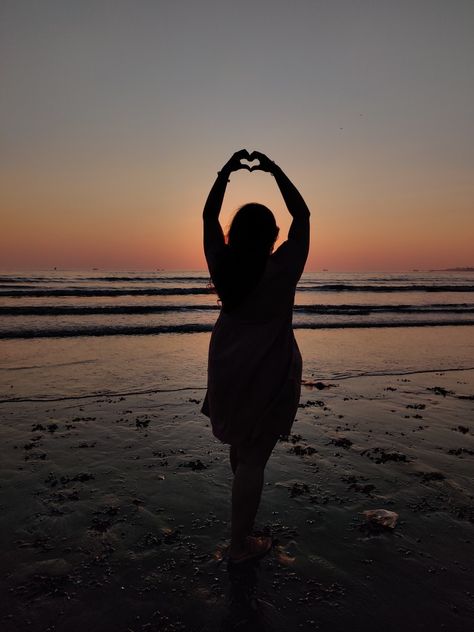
(273, 296)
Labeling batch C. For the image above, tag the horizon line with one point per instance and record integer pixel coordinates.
(157, 269)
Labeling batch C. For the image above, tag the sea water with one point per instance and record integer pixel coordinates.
(79, 333)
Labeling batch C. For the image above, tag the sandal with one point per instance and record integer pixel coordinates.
(257, 547)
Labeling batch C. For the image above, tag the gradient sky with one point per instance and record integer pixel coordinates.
(115, 117)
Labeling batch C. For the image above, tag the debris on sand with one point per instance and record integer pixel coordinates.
(462, 429)
(379, 455)
(195, 465)
(354, 484)
(381, 518)
(318, 385)
(302, 450)
(439, 390)
(342, 442)
(427, 477)
(53, 480)
(142, 423)
(460, 451)
(297, 489)
(310, 403)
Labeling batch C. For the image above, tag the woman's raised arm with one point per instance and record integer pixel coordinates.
(213, 235)
(299, 229)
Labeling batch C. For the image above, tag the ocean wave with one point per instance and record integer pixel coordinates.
(82, 310)
(192, 328)
(204, 289)
(365, 310)
(345, 310)
(412, 287)
(162, 291)
(112, 278)
(143, 279)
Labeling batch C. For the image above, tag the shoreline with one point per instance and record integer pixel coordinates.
(205, 328)
(151, 391)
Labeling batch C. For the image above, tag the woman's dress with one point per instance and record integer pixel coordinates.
(254, 364)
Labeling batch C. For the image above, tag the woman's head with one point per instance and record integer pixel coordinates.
(253, 230)
(250, 240)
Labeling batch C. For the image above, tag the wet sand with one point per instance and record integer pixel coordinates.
(115, 513)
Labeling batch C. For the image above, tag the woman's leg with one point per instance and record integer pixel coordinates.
(233, 458)
(247, 488)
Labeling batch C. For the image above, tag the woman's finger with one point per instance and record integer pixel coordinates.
(242, 153)
(234, 163)
(265, 164)
(257, 155)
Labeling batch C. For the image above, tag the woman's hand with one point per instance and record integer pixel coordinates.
(234, 163)
(213, 204)
(265, 164)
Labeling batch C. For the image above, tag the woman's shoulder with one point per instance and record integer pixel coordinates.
(289, 259)
(287, 252)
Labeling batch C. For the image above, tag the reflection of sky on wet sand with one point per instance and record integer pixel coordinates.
(122, 364)
(131, 493)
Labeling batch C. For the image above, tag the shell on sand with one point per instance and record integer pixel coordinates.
(382, 517)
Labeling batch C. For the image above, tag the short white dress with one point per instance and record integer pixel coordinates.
(254, 364)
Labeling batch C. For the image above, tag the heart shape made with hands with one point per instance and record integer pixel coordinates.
(252, 164)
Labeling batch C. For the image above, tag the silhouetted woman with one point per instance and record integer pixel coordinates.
(254, 370)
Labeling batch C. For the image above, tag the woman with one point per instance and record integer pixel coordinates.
(254, 369)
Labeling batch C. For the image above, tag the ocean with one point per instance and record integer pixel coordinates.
(81, 334)
(98, 303)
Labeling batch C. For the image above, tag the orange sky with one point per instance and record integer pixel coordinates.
(114, 126)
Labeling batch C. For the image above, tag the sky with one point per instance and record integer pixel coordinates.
(116, 115)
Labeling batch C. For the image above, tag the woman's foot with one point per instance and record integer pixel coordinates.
(253, 548)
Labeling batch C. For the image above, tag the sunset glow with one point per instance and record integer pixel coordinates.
(115, 119)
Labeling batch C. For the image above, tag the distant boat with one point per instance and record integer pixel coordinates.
(325, 270)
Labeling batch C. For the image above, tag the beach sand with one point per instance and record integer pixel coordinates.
(115, 513)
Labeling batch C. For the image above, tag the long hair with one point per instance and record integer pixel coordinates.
(252, 234)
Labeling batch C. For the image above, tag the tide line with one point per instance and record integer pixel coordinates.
(61, 398)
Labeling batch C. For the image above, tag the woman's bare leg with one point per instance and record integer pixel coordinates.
(247, 490)
(246, 493)
(233, 458)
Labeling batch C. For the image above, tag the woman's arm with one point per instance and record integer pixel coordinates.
(299, 229)
(213, 234)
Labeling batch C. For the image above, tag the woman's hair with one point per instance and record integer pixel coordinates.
(252, 234)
